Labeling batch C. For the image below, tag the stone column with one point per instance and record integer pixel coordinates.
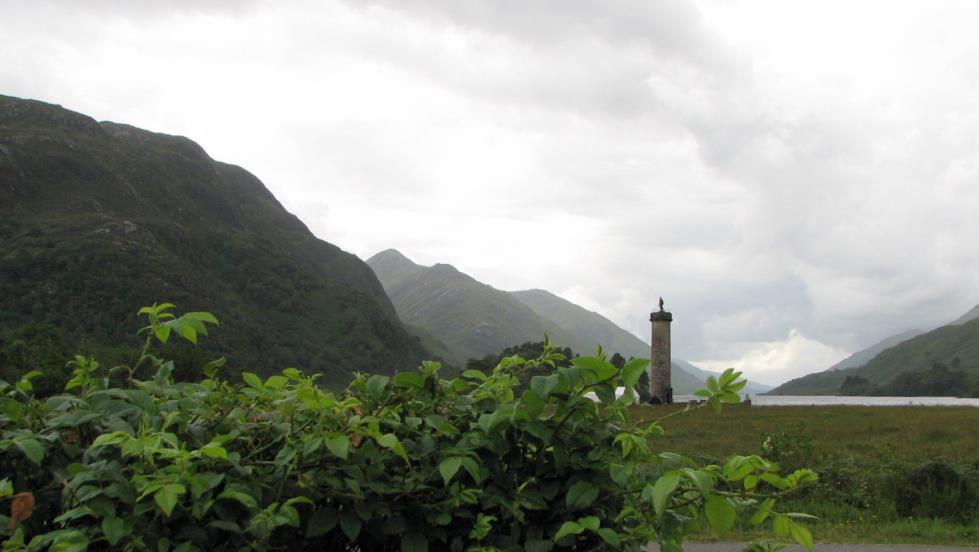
(660, 383)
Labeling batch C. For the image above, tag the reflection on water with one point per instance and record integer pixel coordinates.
(826, 400)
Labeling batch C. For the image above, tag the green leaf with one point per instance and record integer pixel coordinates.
(703, 480)
(6, 488)
(763, 511)
(70, 541)
(569, 528)
(620, 473)
(633, 370)
(156, 309)
(781, 525)
(409, 379)
(600, 369)
(610, 537)
(449, 467)
(166, 497)
(441, 424)
(774, 480)
(414, 542)
(581, 495)
(276, 382)
(202, 316)
(252, 380)
(487, 422)
(474, 374)
(187, 331)
(800, 534)
(543, 386)
(31, 447)
(245, 499)
(214, 450)
(162, 333)
(322, 522)
(592, 523)
(338, 445)
(376, 385)
(350, 524)
(662, 490)
(720, 514)
(114, 529)
(472, 468)
(211, 368)
(390, 441)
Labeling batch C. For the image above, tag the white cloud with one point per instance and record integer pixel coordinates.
(763, 166)
(779, 361)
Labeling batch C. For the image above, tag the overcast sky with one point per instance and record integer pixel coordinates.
(797, 179)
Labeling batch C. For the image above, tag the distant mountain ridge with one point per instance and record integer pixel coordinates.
(860, 358)
(953, 345)
(752, 388)
(470, 317)
(453, 307)
(99, 219)
(973, 314)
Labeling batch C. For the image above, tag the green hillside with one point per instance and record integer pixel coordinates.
(943, 345)
(895, 370)
(98, 219)
(470, 317)
(585, 324)
(973, 314)
(828, 382)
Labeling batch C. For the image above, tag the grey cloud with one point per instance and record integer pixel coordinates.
(145, 8)
(628, 149)
(670, 25)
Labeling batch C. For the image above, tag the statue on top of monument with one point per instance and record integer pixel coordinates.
(661, 304)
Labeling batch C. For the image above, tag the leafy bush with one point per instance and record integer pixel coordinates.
(937, 490)
(791, 449)
(128, 459)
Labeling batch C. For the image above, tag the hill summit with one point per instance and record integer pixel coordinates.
(99, 219)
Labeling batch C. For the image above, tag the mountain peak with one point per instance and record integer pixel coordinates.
(391, 266)
(392, 256)
(967, 317)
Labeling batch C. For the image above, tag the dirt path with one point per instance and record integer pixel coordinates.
(737, 547)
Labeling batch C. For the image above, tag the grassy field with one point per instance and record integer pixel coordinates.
(865, 457)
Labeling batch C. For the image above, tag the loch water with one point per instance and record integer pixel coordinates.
(832, 400)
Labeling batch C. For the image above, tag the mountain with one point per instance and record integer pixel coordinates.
(973, 314)
(99, 219)
(583, 323)
(866, 355)
(828, 382)
(752, 388)
(470, 317)
(955, 346)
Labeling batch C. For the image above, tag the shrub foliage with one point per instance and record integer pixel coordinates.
(127, 458)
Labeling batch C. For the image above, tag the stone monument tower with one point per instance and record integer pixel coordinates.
(660, 384)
